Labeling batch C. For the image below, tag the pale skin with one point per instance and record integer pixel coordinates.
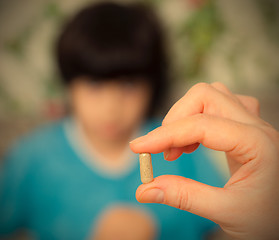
(125, 223)
(209, 114)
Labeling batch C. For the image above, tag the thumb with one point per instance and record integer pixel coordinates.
(186, 194)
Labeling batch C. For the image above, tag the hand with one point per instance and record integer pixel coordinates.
(248, 205)
(125, 223)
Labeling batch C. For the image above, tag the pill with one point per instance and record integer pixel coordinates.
(146, 171)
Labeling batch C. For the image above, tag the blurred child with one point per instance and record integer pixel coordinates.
(76, 179)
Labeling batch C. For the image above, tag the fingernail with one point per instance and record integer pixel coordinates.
(154, 195)
(166, 155)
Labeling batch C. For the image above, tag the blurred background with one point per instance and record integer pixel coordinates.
(235, 42)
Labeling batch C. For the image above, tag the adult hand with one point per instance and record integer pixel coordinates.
(247, 207)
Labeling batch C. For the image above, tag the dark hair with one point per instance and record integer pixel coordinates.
(108, 40)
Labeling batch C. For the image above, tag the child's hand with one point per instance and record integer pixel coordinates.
(248, 205)
(124, 223)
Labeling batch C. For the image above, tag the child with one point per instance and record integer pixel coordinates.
(76, 178)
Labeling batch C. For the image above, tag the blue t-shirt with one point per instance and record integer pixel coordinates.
(48, 187)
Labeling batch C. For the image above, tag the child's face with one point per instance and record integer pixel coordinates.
(110, 110)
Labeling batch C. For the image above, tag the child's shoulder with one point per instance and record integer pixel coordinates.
(40, 139)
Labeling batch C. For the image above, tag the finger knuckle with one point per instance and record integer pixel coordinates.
(183, 200)
(201, 88)
(219, 85)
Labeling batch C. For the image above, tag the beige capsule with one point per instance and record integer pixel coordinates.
(146, 170)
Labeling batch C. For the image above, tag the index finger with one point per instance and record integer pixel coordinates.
(213, 132)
